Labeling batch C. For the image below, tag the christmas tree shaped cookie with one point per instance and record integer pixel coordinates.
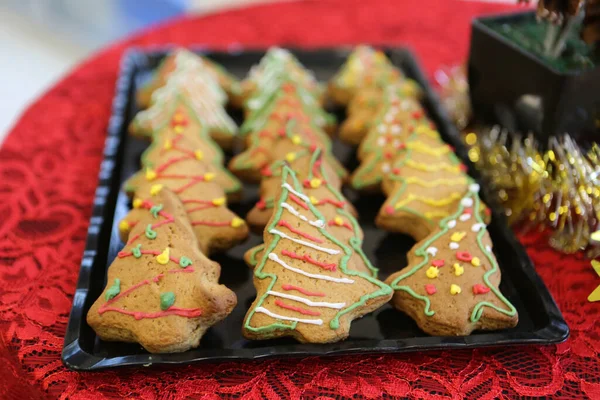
(396, 120)
(281, 97)
(363, 108)
(425, 185)
(274, 140)
(221, 82)
(322, 187)
(161, 291)
(204, 109)
(184, 140)
(304, 286)
(275, 63)
(450, 286)
(185, 171)
(364, 67)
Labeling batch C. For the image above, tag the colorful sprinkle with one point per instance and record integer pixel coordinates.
(150, 174)
(480, 289)
(432, 272)
(155, 189)
(163, 258)
(114, 290)
(464, 256)
(185, 262)
(124, 226)
(475, 262)
(166, 300)
(455, 289)
(430, 289)
(437, 263)
(458, 270)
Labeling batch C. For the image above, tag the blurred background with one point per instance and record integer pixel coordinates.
(43, 39)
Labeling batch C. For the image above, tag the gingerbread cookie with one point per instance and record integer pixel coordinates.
(275, 63)
(304, 286)
(284, 96)
(222, 83)
(185, 137)
(450, 286)
(281, 135)
(194, 179)
(395, 121)
(425, 185)
(364, 106)
(204, 110)
(161, 291)
(322, 188)
(364, 67)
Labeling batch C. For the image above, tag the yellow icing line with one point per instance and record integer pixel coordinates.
(432, 167)
(429, 201)
(437, 182)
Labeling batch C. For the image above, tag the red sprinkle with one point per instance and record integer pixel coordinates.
(463, 167)
(417, 114)
(401, 146)
(266, 171)
(468, 211)
(390, 210)
(487, 211)
(431, 289)
(464, 256)
(396, 171)
(389, 155)
(261, 205)
(480, 289)
(437, 263)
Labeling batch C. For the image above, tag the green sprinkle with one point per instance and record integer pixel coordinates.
(137, 252)
(114, 290)
(185, 262)
(150, 234)
(166, 300)
(155, 210)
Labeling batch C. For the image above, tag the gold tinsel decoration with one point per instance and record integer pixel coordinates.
(556, 188)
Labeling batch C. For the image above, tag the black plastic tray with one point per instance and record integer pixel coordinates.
(386, 330)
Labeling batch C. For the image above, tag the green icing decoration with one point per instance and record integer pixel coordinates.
(137, 251)
(254, 252)
(184, 262)
(154, 210)
(166, 300)
(258, 272)
(114, 290)
(150, 234)
(421, 252)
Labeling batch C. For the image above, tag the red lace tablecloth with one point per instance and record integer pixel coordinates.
(48, 174)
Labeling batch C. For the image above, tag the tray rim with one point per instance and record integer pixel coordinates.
(74, 357)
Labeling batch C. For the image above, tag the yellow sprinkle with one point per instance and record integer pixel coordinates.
(432, 272)
(458, 270)
(338, 221)
(455, 289)
(168, 144)
(315, 183)
(178, 129)
(150, 174)
(219, 201)
(595, 236)
(199, 154)
(209, 176)
(457, 236)
(296, 139)
(163, 258)
(290, 157)
(137, 203)
(155, 189)
(475, 262)
(422, 129)
(237, 222)
(313, 200)
(124, 226)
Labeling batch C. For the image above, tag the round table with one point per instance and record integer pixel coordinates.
(48, 174)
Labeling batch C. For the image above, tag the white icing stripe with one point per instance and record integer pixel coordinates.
(274, 257)
(318, 223)
(277, 316)
(291, 189)
(305, 243)
(307, 301)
